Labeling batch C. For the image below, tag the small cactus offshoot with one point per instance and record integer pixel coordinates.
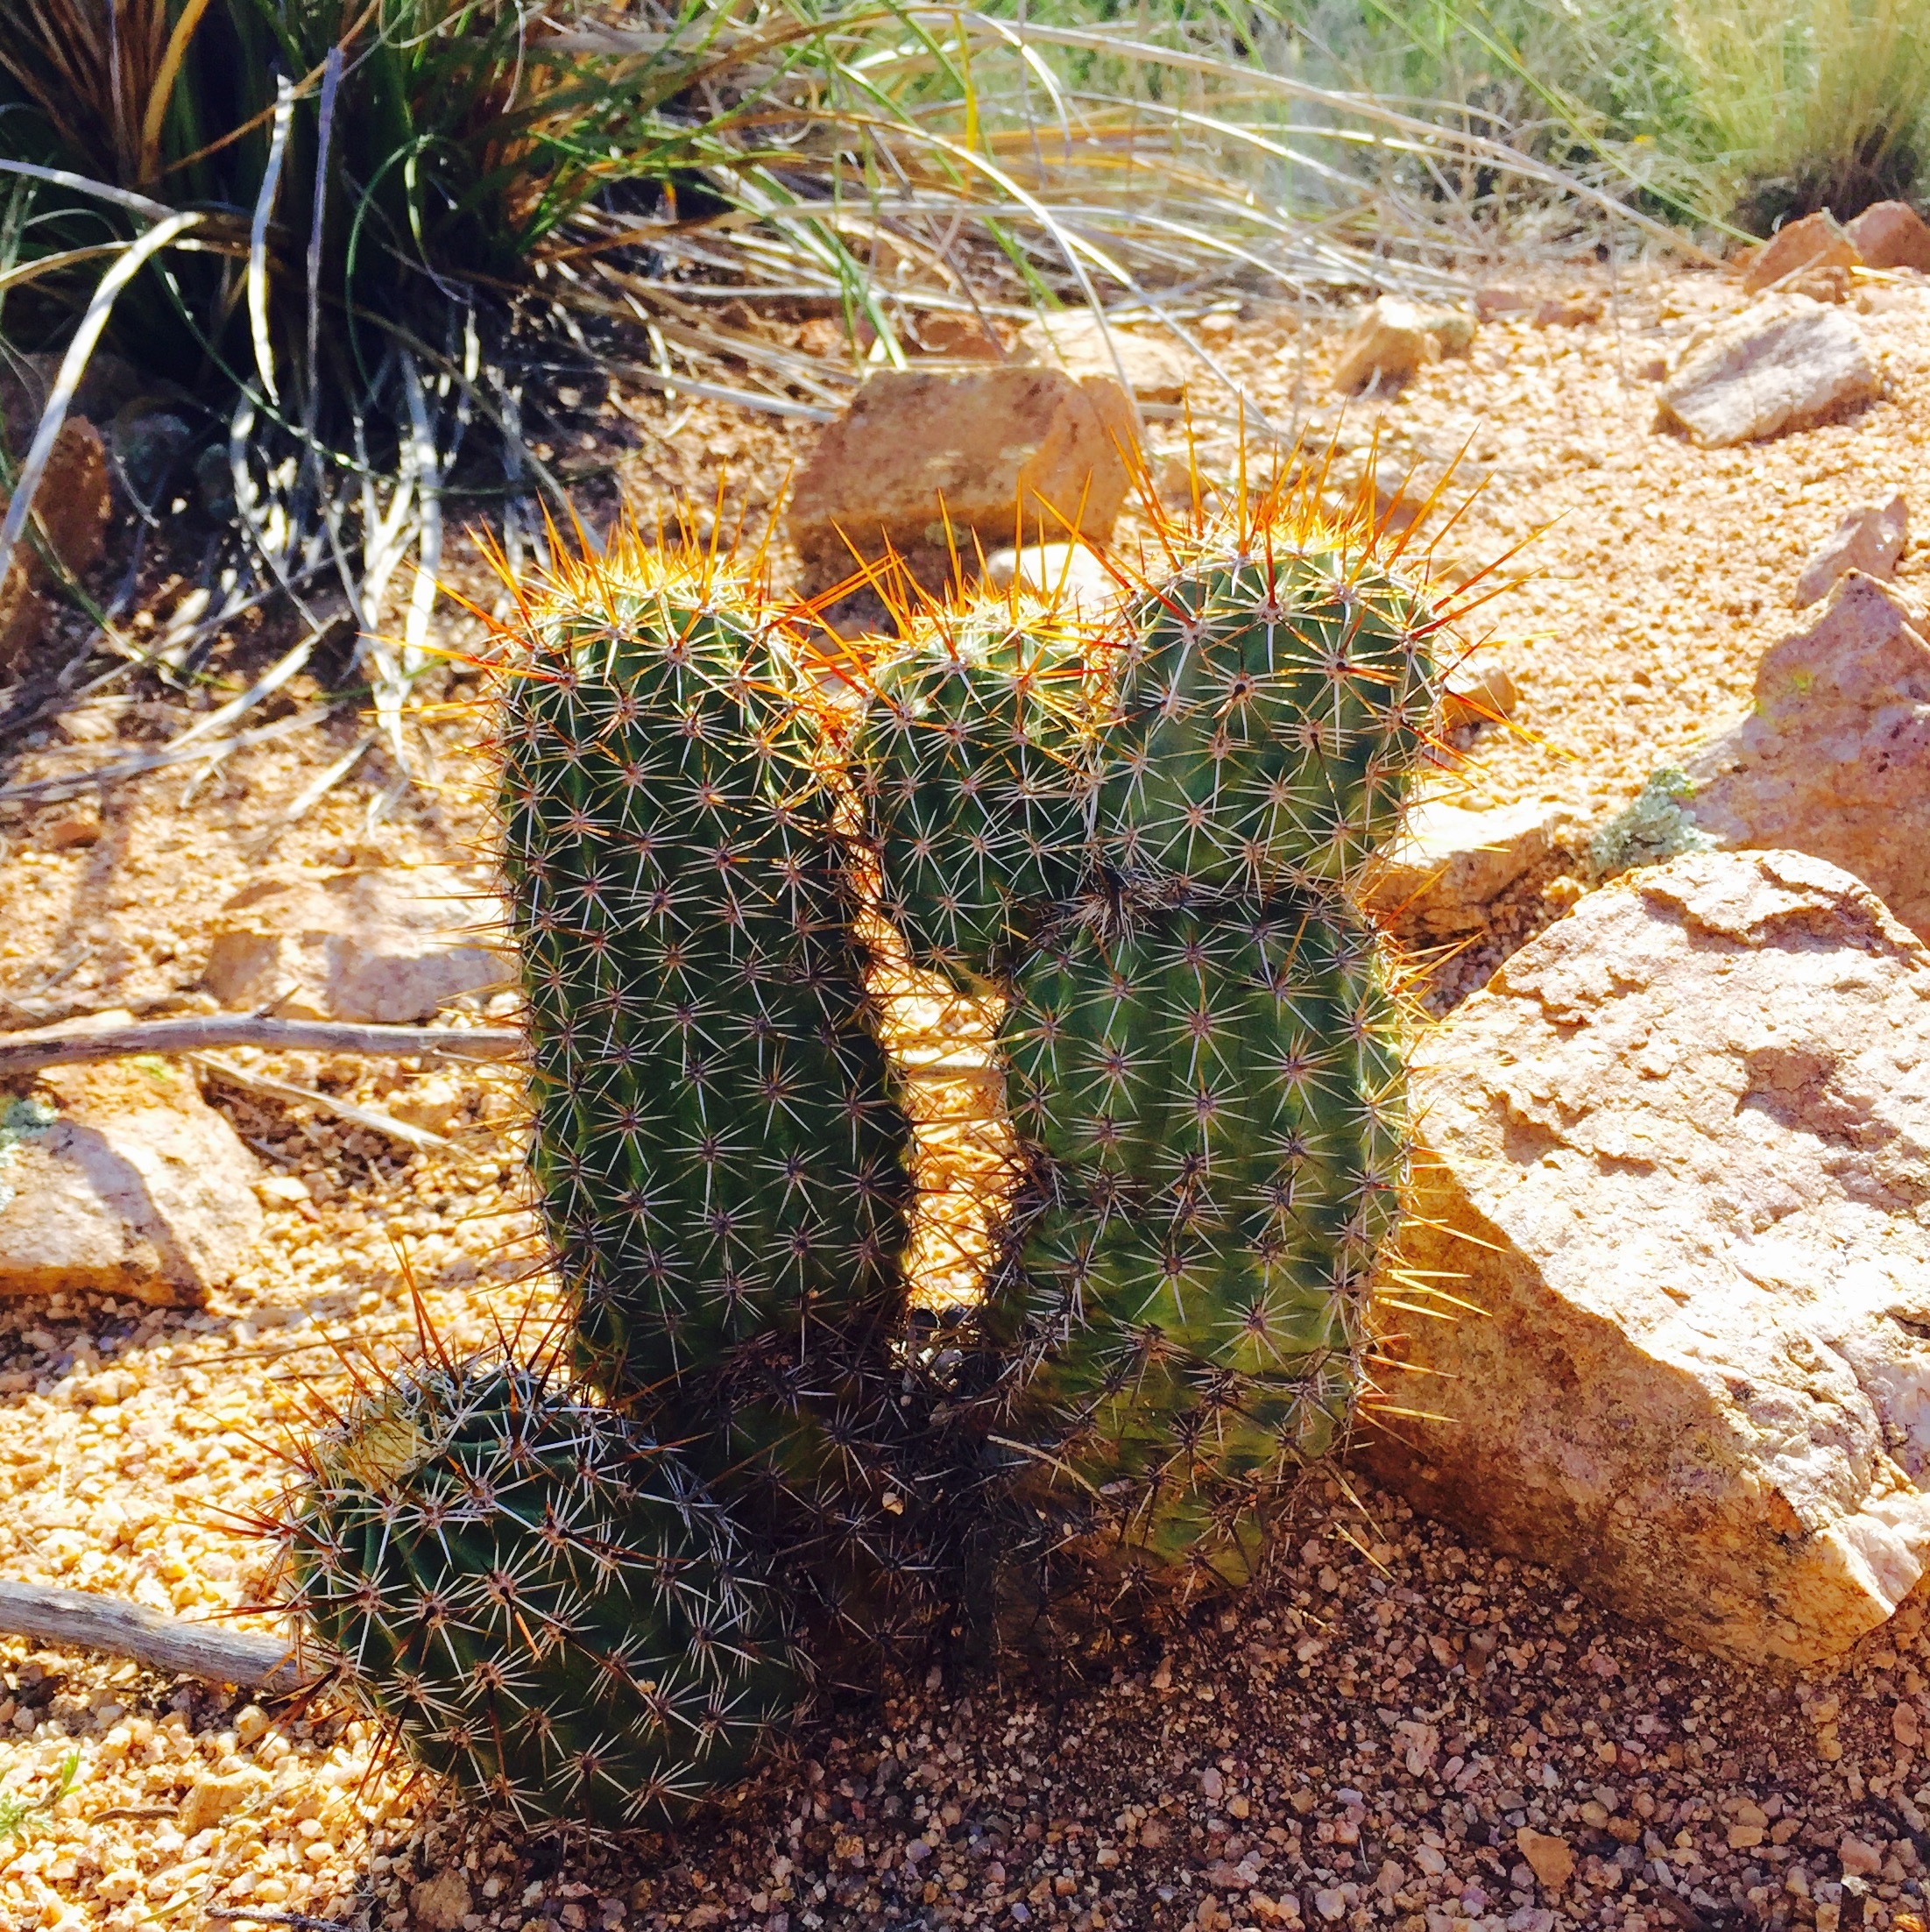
(541, 1598)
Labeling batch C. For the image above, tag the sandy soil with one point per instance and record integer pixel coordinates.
(1393, 1729)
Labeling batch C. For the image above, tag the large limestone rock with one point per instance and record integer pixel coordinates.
(1679, 1155)
(978, 449)
(381, 944)
(1833, 756)
(120, 1179)
(1785, 363)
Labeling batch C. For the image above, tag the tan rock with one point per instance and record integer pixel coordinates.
(389, 944)
(120, 1179)
(1817, 241)
(1571, 311)
(1156, 368)
(1498, 302)
(964, 338)
(981, 450)
(76, 823)
(1480, 691)
(1549, 1858)
(1677, 1152)
(1395, 338)
(1870, 538)
(1891, 234)
(1833, 756)
(1785, 363)
(211, 1799)
(1859, 1858)
(1449, 864)
(441, 1901)
(73, 506)
(1067, 571)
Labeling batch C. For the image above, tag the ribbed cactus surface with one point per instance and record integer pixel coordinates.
(720, 1163)
(543, 1599)
(1204, 1057)
(975, 769)
(1272, 708)
(1217, 1099)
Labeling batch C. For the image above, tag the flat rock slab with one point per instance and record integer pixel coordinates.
(1679, 1152)
(382, 945)
(1156, 368)
(1833, 756)
(1451, 864)
(122, 1180)
(1785, 363)
(988, 453)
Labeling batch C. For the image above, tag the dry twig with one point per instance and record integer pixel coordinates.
(82, 1620)
(68, 1045)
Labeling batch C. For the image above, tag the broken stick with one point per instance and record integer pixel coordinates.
(70, 1046)
(82, 1620)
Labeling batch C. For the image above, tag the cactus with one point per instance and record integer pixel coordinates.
(974, 765)
(1217, 1101)
(1272, 710)
(1203, 1048)
(720, 1164)
(724, 1173)
(539, 1597)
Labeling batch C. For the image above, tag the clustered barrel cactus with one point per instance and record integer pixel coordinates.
(1144, 838)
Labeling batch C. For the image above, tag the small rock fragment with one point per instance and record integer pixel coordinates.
(1069, 571)
(210, 1799)
(1495, 303)
(964, 338)
(1832, 757)
(1682, 1132)
(441, 1900)
(76, 823)
(1449, 864)
(1817, 241)
(1480, 691)
(982, 450)
(1891, 234)
(1860, 1860)
(123, 1180)
(435, 1104)
(1395, 338)
(1572, 311)
(381, 944)
(1156, 368)
(1784, 364)
(1870, 538)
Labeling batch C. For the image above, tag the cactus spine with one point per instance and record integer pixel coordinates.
(539, 1596)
